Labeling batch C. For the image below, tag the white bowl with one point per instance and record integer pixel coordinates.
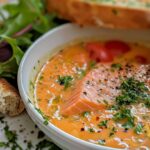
(46, 46)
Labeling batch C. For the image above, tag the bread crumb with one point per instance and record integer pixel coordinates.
(10, 100)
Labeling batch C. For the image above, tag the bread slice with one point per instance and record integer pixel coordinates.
(10, 101)
(104, 13)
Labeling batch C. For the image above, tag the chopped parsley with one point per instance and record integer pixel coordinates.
(39, 111)
(125, 114)
(45, 122)
(106, 102)
(80, 72)
(31, 84)
(138, 128)
(41, 77)
(29, 101)
(113, 107)
(45, 144)
(133, 91)
(46, 118)
(92, 64)
(65, 81)
(91, 130)
(116, 66)
(4, 144)
(40, 135)
(11, 137)
(103, 123)
(29, 145)
(147, 102)
(86, 113)
(101, 142)
(113, 131)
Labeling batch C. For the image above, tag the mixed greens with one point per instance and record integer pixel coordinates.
(21, 24)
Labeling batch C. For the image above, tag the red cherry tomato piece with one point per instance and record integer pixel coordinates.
(117, 48)
(141, 59)
(98, 52)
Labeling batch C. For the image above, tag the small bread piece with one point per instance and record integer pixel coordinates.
(104, 13)
(10, 101)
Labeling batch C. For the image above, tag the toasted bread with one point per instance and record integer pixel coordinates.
(10, 101)
(113, 14)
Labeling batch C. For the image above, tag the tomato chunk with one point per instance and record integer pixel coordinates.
(117, 48)
(98, 52)
(108, 51)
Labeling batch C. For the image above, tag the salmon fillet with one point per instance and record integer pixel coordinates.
(99, 87)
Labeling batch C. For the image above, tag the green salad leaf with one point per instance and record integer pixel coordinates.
(9, 68)
(20, 25)
(25, 13)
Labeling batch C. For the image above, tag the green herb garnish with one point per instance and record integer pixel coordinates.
(125, 114)
(41, 78)
(113, 107)
(101, 142)
(12, 139)
(92, 64)
(4, 144)
(46, 118)
(86, 113)
(40, 135)
(81, 72)
(113, 131)
(45, 122)
(116, 66)
(103, 123)
(11, 136)
(65, 81)
(91, 130)
(133, 91)
(29, 145)
(45, 144)
(138, 128)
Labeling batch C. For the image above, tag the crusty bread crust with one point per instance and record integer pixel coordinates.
(93, 14)
(10, 101)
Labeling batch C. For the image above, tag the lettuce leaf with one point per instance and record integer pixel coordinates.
(22, 14)
(10, 67)
(25, 21)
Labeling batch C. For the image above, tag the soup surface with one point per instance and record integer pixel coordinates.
(98, 92)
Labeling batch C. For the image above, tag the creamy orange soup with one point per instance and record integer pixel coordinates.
(59, 78)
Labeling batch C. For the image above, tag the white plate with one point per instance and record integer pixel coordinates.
(25, 129)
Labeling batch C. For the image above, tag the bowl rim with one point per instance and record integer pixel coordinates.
(31, 106)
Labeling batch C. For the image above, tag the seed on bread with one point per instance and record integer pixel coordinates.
(10, 100)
